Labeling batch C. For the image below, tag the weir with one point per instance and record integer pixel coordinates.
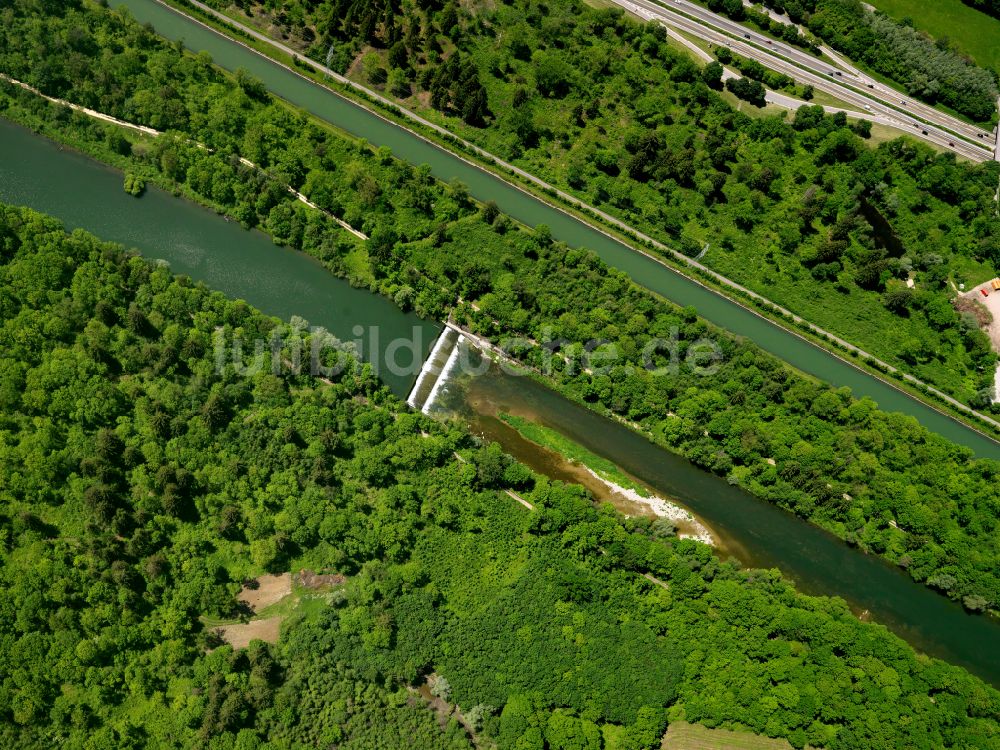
(435, 370)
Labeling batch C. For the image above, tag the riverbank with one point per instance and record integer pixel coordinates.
(688, 527)
(142, 129)
(191, 235)
(617, 482)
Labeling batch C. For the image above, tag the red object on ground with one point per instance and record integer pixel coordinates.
(984, 293)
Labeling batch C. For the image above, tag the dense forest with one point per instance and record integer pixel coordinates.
(142, 483)
(796, 207)
(877, 480)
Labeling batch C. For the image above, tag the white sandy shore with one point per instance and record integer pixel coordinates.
(663, 509)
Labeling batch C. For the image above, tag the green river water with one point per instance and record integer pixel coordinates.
(197, 242)
(531, 211)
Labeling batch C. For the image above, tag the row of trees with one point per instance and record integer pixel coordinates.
(756, 72)
(573, 91)
(141, 483)
(784, 31)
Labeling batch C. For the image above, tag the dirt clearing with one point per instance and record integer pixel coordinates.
(269, 590)
(239, 636)
(683, 736)
(986, 309)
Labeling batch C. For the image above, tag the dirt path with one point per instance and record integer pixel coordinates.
(653, 579)
(77, 108)
(520, 499)
(156, 134)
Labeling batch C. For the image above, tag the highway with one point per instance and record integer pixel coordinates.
(771, 97)
(870, 99)
(854, 78)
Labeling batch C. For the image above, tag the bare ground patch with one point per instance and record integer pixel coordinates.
(240, 635)
(683, 736)
(354, 70)
(319, 581)
(976, 308)
(273, 24)
(444, 710)
(985, 308)
(266, 590)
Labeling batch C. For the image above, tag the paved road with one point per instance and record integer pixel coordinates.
(772, 97)
(947, 132)
(854, 78)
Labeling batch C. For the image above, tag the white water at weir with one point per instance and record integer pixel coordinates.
(443, 377)
(436, 370)
(425, 371)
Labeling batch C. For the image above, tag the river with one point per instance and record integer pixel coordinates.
(529, 210)
(757, 533)
(197, 242)
(283, 283)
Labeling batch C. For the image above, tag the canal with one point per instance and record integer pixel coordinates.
(246, 264)
(529, 210)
